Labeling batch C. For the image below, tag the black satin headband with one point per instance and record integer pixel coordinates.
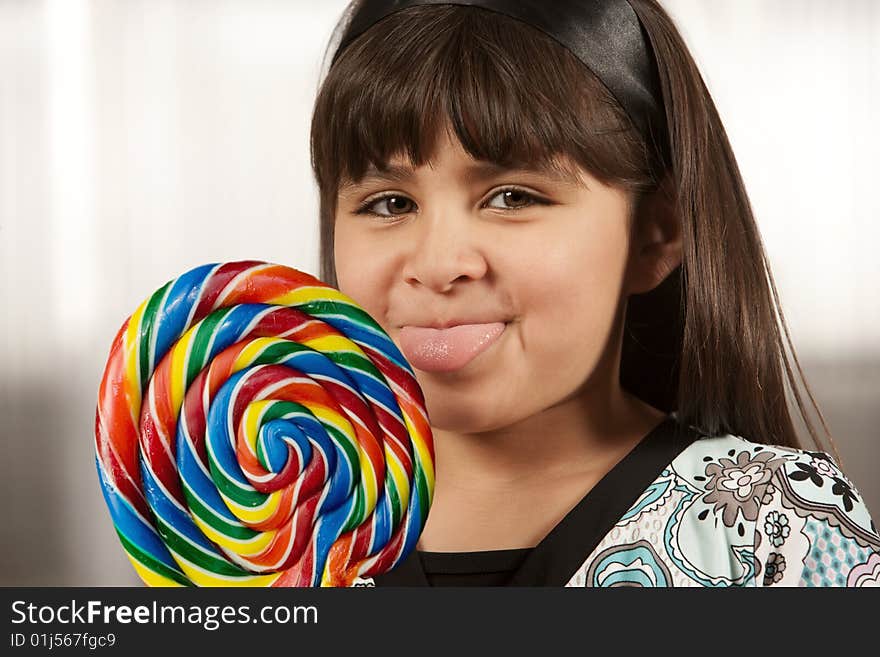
(605, 35)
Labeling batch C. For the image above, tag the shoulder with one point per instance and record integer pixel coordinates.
(810, 525)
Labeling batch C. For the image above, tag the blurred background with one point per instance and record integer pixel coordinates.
(140, 138)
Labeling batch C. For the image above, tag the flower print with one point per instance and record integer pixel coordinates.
(768, 494)
(774, 568)
(823, 464)
(739, 486)
(843, 489)
(821, 467)
(807, 471)
(776, 527)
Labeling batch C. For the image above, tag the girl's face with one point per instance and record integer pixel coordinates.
(536, 261)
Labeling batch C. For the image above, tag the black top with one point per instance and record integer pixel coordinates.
(557, 557)
(486, 568)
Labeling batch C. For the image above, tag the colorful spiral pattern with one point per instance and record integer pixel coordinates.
(255, 427)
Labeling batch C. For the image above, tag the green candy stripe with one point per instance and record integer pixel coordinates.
(180, 547)
(150, 563)
(238, 531)
(198, 355)
(321, 307)
(145, 342)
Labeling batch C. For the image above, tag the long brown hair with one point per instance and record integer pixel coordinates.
(710, 342)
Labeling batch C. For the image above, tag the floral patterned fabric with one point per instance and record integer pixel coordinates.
(730, 512)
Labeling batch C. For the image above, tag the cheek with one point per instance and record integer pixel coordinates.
(361, 270)
(575, 270)
(355, 270)
(570, 295)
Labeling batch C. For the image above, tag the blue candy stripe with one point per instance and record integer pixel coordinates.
(361, 335)
(137, 530)
(179, 307)
(179, 520)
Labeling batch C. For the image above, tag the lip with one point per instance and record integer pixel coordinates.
(448, 346)
(457, 322)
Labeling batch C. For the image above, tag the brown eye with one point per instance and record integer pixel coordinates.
(514, 199)
(394, 205)
(398, 204)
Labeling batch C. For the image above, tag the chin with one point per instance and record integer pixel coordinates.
(476, 418)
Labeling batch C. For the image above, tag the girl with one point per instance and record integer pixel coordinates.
(539, 204)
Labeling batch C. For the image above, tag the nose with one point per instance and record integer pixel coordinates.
(445, 251)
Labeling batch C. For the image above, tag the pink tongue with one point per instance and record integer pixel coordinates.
(447, 349)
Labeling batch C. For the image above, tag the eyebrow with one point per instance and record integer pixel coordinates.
(479, 171)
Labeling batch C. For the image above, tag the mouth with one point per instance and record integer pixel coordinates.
(461, 320)
(450, 347)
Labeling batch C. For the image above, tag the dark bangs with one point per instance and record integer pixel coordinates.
(506, 90)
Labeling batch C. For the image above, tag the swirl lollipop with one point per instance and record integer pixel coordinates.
(255, 427)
